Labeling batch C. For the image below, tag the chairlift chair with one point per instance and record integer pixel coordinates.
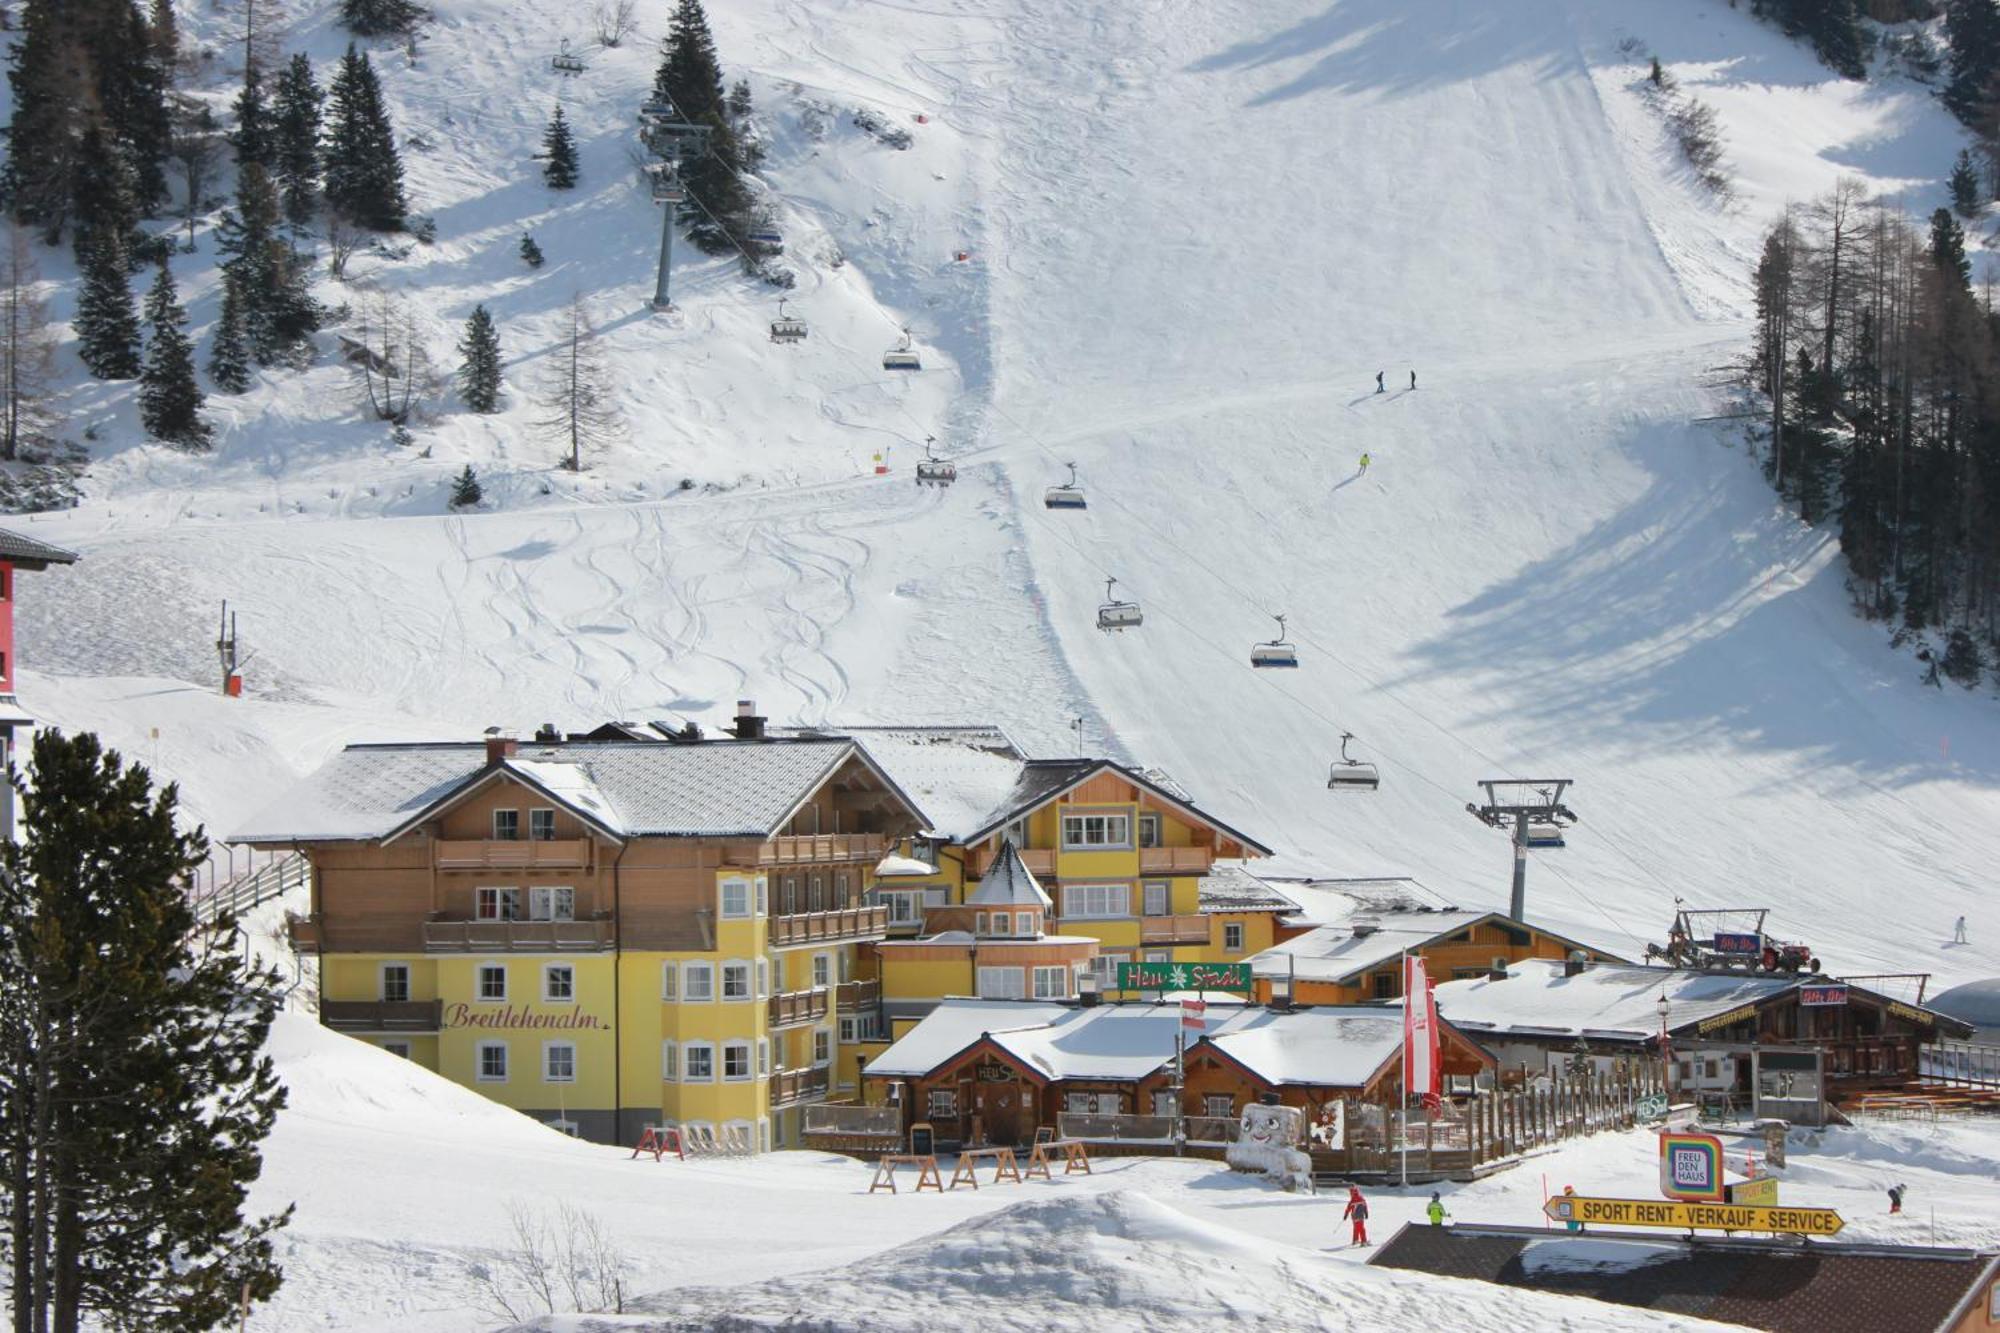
(769, 239)
(1545, 833)
(903, 356)
(666, 185)
(1276, 653)
(566, 62)
(1069, 495)
(787, 328)
(1117, 615)
(935, 471)
(1351, 775)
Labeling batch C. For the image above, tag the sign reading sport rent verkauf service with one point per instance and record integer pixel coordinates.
(1691, 1216)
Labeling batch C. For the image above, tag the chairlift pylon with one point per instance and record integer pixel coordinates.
(566, 62)
(935, 471)
(1116, 614)
(787, 328)
(903, 356)
(665, 183)
(1351, 775)
(1069, 495)
(1276, 653)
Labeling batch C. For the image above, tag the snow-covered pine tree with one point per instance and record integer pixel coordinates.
(719, 211)
(364, 172)
(579, 390)
(254, 135)
(107, 327)
(530, 252)
(279, 311)
(163, 31)
(229, 353)
(1965, 185)
(465, 491)
(558, 153)
(103, 193)
(479, 371)
(169, 398)
(27, 349)
(381, 18)
(1972, 36)
(296, 152)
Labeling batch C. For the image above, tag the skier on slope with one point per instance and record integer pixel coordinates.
(1357, 1208)
(1436, 1211)
(1364, 462)
(1378, 381)
(1413, 379)
(1896, 1197)
(1958, 932)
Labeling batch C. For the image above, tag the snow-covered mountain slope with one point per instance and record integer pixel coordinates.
(1197, 232)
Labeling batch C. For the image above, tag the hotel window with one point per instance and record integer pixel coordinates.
(1155, 896)
(698, 1062)
(551, 904)
(1385, 985)
(1232, 937)
(558, 983)
(979, 923)
(559, 1062)
(847, 1031)
(1149, 830)
(736, 1061)
(1106, 967)
(1052, 983)
(396, 983)
(944, 1104)
(542, 824)
(670, 1064)
(700, 983)
(736, 981)
(1218, 1106)
(1166, 1103)
(822, 1047)
(763, 894)
(822, 970)
(1084, 901)
(763, 1057)
(1003, 923)
(670, 981)
(1001, 983)
(496, 904)
(1094, 1103)
(736, 897)
(1096, 832)
(506, 825)
(492, 1057)
(492, 981)
(840, 897)
(816, 893)
(1158, 956)
(398, 1048)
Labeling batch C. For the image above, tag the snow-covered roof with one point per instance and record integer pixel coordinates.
(1009, 883)
(717, 789)
(30, 553)
(1614, 1001)
(956, 775)
(1337, 953)
(895, 865)
(1324, 902)
(1975, 1002)
(1228, 887)
(1330, 1046)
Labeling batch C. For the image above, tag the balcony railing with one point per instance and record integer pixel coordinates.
(1039, 860)
(791, 1008)
(850, 995)
(852, 923)
(382, 1015)
(1175, 860)
(305, 932)
(524, 854)
(791, 1086)
(517, 936)
(1173, 929)
(820, 849)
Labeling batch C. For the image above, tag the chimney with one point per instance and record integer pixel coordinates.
(548, 734)
(1497, 972)
(499, 745)
(749, 724)
(1575, 962)
(1086, 991)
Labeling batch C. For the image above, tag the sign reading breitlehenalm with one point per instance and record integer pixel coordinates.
(1184, 976)
(1690, 1216)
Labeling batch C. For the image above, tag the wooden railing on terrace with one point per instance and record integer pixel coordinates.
(1188, 929)
(851, 923)
(791, 1008)
(517, 936)
(1175, 860)
(517, 854)
(816, 849)
(851, 995)
(789, 1086)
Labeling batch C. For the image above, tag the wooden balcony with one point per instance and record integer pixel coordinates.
(305, 933)
(1039, 860)
(789, 1087)
(1175, 860)
(852, 923)
(853, 995)
(1191, 929)
(816, 849)
(518, 936)
(525, 854)
(382, 1015)
(793, 1008)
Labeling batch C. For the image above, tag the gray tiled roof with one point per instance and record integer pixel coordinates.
(14, 546)
(1008, 882)
(718, 789)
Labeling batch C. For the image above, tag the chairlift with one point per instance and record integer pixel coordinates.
(1115, 614)
(1351, 775)
(1545, 833)
(1069, 495)
(666, 184)
(787, 328)
(769, 239)
(1276, 653)
(935, 471)
(903, 356)
(565, 62)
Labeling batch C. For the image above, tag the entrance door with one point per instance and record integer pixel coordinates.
(1000, 1111)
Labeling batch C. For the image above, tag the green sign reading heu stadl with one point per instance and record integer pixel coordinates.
(1184, 976)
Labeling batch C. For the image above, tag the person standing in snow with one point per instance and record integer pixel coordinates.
(1958, 932)
(1413, 379)
(1364, 462)
(1896, 1197)
(1357, 1208)
(1436, 1211)
(1378, 380)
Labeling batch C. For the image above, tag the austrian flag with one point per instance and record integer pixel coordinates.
(1422, 1076)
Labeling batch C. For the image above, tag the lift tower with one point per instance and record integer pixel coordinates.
(1531, 809)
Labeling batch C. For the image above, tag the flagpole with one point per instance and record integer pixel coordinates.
(1403, 1118)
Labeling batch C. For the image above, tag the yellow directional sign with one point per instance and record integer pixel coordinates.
(1763, 1191)
(1692, 1216)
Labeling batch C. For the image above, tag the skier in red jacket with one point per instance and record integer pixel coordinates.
(1357, 1208)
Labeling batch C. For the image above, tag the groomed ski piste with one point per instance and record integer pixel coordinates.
(1194, 235)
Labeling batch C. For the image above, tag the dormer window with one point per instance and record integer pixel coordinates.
(506, 825)
(1003, 923)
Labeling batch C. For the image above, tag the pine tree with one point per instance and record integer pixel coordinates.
(479, 372)
(1972, 33)
(254, 135)
(103, 193)
(107, 328)
(579, 391)
(1965, 184)
(42, 139)
(559, 154)
(229, 354)
(163, 31)
(381, 18)
(364, 172)
(1832, 26)
(169, 398)
(719, 211)
(134, 1090)
(279, 311)
(27, 349)
(530, 252)
(1948, 248)
(297, 151)
(465, 491)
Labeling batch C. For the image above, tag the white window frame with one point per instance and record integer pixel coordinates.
(693, 973)
(504, 901)
(551, 902)
(479, 1054)
(1218, 1106)
(763, 978)
(549, 971)
(847, 1029)
(990, 984)
(763, 894)
(1105, 965)
(1003, 923)
(1232, 930)
(670, 982)
(741, 1048)
(1113, 831)
(691, 1049)
(1088, 902)
(494, 827)
(822, 1038)
(1051, 982)
(1151, 819)
(1154, 891)
(479, 983)
(670, 1062)
(1157, 956)
(398, 1048)
(540, 818)
(1166, 1102)
(382, 983)
(822, 973)
(732, 970)
(943, 1104)
(763, 1057)
(549, 1049)
(741, 890)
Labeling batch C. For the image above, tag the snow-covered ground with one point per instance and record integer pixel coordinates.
(1195, 232)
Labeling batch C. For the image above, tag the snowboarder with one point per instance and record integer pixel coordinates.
(1896, 1197)
(1436, 1211)
(1357, 1208)
(1364, 462)
(1569, 1192)
(1413, 379)
(1378, 381)
(1958, 932)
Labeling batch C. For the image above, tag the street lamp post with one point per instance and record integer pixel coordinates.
(1666, 1054)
